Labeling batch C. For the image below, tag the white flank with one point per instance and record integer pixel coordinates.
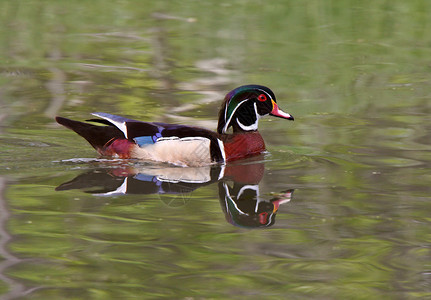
(190, 151)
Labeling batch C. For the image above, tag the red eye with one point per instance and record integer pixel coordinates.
(262, 97)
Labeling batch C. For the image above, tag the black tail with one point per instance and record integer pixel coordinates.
(96, 135)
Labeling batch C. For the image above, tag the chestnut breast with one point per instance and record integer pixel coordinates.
(243, 145)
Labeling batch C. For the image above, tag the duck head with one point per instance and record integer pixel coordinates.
(244, 106)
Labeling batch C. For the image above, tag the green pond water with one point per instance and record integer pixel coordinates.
(339, 207)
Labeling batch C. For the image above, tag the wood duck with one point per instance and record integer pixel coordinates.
(186, 145)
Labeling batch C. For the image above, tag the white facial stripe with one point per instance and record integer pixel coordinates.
(269, 96)
(230, 118)
(229, 197)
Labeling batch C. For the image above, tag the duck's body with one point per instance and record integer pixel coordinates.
(186, 145)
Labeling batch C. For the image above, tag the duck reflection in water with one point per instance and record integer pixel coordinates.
(238, 187)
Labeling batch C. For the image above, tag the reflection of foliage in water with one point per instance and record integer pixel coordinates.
(354, 75)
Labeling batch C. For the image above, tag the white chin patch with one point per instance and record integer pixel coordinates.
(249, 127)
(252, 126)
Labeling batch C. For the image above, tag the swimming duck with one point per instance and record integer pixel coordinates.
(186, 145)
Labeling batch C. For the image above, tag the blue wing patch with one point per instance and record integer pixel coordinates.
(143, 141)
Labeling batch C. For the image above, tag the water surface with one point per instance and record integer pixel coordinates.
(337, 209)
